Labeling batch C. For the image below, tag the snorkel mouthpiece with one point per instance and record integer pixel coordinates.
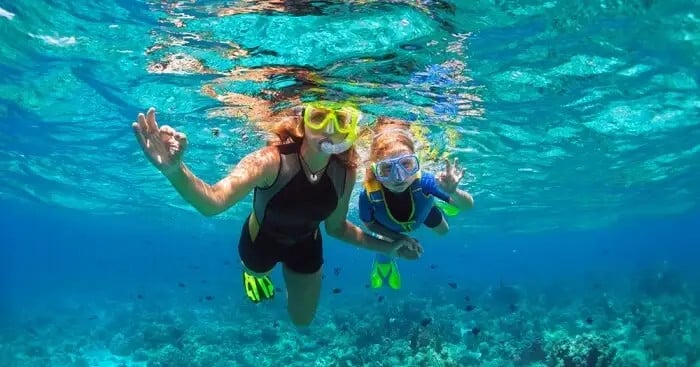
(328, 147)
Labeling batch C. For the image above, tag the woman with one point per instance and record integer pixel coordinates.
(300, 179)
(398, 197)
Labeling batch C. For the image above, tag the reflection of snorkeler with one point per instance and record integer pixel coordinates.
(258, 109)
(179, 64)
(314, 7)
(446, 84)
(296, 7)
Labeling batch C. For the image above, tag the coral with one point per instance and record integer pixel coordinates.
(169, 357)
(631, 358)
(122, 346)
(660, 281)
(583, 350)
(159, 335)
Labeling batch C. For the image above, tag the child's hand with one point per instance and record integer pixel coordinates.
(449, 179)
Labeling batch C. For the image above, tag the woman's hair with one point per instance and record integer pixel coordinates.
(290, 128)
(388, 132)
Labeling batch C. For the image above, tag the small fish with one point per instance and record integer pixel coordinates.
(467, 298)
(513, 307)
(336, 271)
(209, 298)
(92, 317)
(433, 266)
(278, 289)
(426, 321)
(452, 285)
(139, 296)
(275, 324)
(380, 299)
(589, 320)
(31, 330)
(476, 330)
(203, 281)
(181, 285)
(227, 263)
(337, 290)
(411, 47)
(470, 308)
(215, 131)
(366, 285)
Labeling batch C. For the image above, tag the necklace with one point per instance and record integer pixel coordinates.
(313, 176)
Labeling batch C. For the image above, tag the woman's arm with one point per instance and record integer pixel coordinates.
(339, 227)
(386, 232)
(255, 169)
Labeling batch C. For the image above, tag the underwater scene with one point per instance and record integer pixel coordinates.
(209, 183)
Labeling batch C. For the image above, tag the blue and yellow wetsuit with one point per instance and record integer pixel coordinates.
(401, 213)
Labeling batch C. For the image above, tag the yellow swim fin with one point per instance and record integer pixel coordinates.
(258, 288)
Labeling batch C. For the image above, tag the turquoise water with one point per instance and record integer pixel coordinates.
(577, 123)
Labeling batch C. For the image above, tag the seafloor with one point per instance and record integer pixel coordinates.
(653, 320)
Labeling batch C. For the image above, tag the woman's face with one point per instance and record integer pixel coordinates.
(395, 152)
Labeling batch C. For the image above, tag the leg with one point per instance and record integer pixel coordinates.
(442, 228)
(302, 274)
(303, 292)
(259, 258)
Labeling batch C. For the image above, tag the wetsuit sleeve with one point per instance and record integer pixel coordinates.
(366, 212)
(434, 217)
(429, 186)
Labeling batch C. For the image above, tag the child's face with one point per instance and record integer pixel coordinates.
(389, 164)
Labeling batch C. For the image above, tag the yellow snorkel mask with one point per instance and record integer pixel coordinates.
(333, 118)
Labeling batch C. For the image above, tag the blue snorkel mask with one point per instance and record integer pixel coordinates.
(396, 170)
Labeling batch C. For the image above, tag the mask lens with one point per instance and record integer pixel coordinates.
(409, 164)
(383, 170)
(344, 119)
(315, 117)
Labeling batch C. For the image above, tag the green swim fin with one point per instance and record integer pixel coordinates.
(258, 288)
(385, 268)
(449, 209)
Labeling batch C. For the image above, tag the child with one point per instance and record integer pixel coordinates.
(398, 197)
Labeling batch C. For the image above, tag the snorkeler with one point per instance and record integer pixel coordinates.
(302, 178)
(398, 197)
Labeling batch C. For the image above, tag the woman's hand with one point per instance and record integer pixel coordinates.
(407, 248)
(163, 146)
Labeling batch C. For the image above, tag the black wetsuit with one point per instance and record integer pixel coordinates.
(289, 212)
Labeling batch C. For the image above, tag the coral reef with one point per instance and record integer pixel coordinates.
(597, 329)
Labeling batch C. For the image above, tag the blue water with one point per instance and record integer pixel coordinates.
(577, 123)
